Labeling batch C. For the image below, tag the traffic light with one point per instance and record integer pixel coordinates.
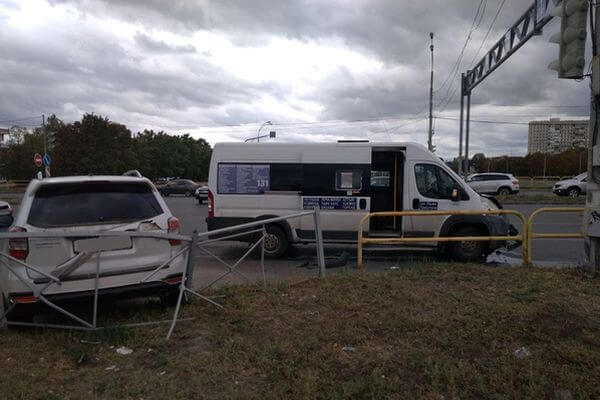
(571, 39)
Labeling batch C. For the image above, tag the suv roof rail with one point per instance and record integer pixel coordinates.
(133, 172)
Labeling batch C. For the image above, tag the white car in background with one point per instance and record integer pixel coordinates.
(90, 204)
(494, 183)
(573, 187)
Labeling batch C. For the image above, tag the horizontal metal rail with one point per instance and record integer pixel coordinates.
(259, 222)
(538, 235)
(92, 234)
(362, 240)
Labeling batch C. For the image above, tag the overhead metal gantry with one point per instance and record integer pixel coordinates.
(528, 25)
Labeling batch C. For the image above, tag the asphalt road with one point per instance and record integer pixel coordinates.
(549, 252)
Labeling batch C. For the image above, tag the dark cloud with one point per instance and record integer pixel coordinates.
(151, 79)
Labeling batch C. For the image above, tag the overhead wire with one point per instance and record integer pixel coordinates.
(456, 65)
(488, 31)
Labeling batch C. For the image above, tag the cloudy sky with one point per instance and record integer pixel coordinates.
(320, 70)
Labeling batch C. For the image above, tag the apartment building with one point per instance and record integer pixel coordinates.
(3, 137)
(556, 136)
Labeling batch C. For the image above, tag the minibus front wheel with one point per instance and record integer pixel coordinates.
(468, 250)
(275, 242)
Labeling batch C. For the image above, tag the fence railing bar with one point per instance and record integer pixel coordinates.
(52, 278)
(254, 223)
(205, 242)
(170, 260)
(65, 312)
(96, 286)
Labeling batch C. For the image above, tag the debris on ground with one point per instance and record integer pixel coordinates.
(349, 349)
(339, 261)
(522, 353)
(124, 350)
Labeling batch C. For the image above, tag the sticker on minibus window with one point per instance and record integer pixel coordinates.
(243, 178)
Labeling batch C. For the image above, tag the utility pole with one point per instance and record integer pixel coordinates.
(44, 130)
(430, 140)
(591, 221)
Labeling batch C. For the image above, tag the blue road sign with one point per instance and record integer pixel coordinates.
(47, 160)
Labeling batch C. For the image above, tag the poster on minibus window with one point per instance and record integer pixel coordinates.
(243, 178)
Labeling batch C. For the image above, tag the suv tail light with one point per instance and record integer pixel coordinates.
(211, 204)
(515, 182)
(174, 227)
(18, 248)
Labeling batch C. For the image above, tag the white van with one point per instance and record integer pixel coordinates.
(347, 180)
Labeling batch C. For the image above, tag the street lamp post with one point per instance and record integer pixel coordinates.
(258, 133)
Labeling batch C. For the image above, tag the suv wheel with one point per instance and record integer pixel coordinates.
(275, 242)
(468, 251)
(574, 192)
(188, 193)
(504, 191)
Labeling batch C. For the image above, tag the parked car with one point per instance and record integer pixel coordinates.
(494, 183)
(573, 187)
(201, 194)
(179, 186)
(6, 215)
(83, 204)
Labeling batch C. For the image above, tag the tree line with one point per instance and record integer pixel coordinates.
(568, 163)
(95, 145)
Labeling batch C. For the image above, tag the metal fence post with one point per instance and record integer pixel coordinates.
(189, 268)
(262, 256)
(319, 242)
(96, 288)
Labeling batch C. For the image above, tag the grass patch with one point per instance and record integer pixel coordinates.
(424, 332)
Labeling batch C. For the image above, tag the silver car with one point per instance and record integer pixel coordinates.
(573, 187)
(494, 183)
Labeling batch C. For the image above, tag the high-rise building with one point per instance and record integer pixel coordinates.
(556, 136)
(3, 137)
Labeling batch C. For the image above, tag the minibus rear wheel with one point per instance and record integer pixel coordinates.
(276, 242)
(468, 250)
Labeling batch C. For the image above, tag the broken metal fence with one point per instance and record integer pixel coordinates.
(106, 241)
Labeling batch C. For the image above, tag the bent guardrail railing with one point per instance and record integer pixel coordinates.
(66, 270)
(394, 240)
(188, 250)
(538, 235)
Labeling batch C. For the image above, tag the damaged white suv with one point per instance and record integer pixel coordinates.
(90, 204)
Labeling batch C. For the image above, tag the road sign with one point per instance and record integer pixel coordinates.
(37, 159)
(47, 172)
(47, 160)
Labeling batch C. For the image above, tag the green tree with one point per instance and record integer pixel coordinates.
(93, 145)
(163, 155)
(17, 159)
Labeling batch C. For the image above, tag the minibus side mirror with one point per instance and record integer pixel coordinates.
(455, 196)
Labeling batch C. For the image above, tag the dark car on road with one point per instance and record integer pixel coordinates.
(179, 186)
(201, 194)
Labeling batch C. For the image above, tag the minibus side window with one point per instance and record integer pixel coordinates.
(286, 177)
(348, 180)
(433, 182)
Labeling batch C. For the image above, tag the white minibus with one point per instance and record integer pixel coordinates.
(347, 180)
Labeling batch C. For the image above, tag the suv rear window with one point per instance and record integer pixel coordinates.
(92, 203)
